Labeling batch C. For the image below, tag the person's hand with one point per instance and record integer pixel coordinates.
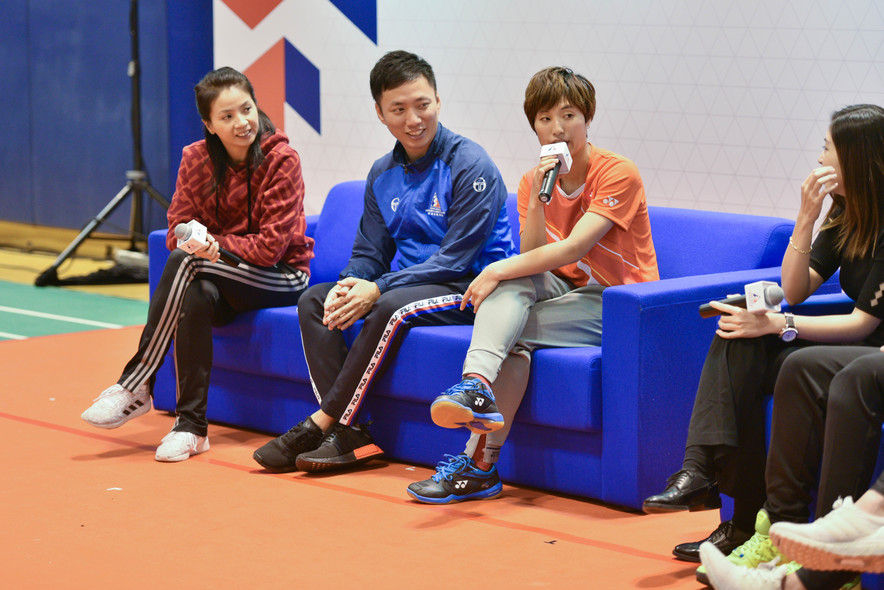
(737, 322)
(546, 164)
(819, 183)
(354, 300)
(211, 251)
(331, 301)
(481, 287)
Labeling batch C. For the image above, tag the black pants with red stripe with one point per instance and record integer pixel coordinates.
(192, 296)
(341, 376)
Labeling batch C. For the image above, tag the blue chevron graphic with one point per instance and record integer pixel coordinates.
(363, 14)
(302, 86)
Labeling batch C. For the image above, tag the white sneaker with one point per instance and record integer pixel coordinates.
(726, 575)
(117, 405)
(847, 538)
(178, 446)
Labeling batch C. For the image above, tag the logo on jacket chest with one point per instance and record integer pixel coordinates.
(435, 209)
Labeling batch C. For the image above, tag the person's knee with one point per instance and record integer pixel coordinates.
(797, 367)
(200, 293)
(311, 304)
(860, 383)
(177, 257)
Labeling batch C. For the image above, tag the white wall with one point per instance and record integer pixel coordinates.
(722, 105)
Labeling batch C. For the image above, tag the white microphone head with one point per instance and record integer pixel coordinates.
(183, 231)
(559, 150)
(774, 295)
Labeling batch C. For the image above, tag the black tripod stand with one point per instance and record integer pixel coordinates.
(136, 184)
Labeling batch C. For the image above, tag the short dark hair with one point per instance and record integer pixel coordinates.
(550, 85)
(395, 69)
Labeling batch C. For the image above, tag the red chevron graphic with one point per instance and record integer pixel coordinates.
(267, 76)
(252, 12)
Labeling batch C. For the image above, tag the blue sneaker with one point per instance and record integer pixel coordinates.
(457, 479)
(470, 404)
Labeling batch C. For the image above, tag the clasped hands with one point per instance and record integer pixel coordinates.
(348, 301)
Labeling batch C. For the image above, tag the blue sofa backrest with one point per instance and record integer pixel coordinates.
(690, 242)
(336, 230)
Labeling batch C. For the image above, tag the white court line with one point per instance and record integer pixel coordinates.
(60, 318)
(9, 336)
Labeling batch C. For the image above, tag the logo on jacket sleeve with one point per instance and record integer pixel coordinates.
(479, 185)
(435, 209)
(394, 203)
(610, 201)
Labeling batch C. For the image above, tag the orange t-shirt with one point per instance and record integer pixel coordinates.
(614, 190)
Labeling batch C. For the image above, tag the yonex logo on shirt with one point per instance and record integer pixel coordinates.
(479, 185)
(610, 201)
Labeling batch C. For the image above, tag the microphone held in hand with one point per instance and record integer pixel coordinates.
(760, 295)
(193, 236)
(560, 151)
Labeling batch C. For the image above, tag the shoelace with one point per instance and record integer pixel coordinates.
(464, 386)
(677, 477)
(757, 544)
(449, 466)
(294, 434)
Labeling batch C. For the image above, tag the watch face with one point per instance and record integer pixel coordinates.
(789, 334)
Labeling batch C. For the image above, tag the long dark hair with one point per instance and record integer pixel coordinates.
(207, 90)
(858, 134)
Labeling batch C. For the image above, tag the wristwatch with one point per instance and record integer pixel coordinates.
(789, 332)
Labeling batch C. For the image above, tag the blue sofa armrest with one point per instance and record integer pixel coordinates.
(157, 254)
(654, 344)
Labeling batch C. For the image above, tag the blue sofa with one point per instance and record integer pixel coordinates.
(612, 430)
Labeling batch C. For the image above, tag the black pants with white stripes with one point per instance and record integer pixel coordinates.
(193, 295)
(340, 376)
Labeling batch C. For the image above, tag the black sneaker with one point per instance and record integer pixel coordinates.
(457, 479)
(343, 446)
(470, 403)
(279, 455)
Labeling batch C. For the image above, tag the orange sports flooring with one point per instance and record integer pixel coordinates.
(88, 508)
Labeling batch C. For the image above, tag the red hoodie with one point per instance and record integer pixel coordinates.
(277, 204)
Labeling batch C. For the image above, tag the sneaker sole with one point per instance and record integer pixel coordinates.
(491, 492)
(449, 414)
(352, 459)
(139, 410)
(178, 458)
(666, 508)
(820, 556)
(272, 468)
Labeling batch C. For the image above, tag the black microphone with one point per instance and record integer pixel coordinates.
(559, 150)
(549, 181)
(192, 236)
(759, 295)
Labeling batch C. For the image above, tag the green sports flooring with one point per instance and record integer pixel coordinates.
(27, 311)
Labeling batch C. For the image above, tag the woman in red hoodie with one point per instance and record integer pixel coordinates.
(243, 184)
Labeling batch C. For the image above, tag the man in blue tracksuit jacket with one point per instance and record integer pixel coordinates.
(439, 202)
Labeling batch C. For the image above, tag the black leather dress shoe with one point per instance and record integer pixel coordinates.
(685, 490)
(726, 538)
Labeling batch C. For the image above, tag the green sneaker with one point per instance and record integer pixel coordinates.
(758, 549)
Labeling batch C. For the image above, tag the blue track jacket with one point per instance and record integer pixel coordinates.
(444, 214)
